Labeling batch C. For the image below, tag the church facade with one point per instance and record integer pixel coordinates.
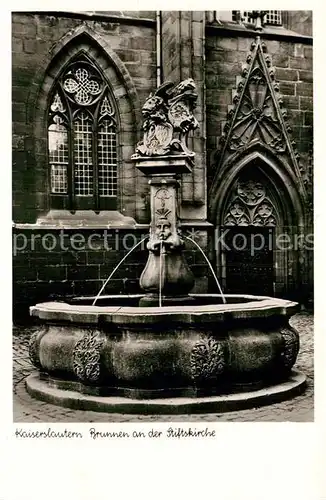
(79, 82)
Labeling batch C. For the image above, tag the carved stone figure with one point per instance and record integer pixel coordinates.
(168, 119)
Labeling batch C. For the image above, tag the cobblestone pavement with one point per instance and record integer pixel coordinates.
(298, 409)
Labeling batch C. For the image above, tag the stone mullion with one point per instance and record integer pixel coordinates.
(95, 129)
(71, 184)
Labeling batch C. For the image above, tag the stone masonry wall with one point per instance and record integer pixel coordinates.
(183, 36)
(62, 264)
(300, 21)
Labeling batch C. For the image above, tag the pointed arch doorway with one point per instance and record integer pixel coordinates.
(257, 216)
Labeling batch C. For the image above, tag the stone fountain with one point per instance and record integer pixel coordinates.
(167, 350)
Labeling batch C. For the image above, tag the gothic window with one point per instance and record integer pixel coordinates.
(82, 140)
(272, 17)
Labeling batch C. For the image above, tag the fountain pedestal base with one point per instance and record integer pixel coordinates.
(72, 398)
(166, 272)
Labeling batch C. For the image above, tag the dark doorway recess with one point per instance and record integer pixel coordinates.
(249, 263)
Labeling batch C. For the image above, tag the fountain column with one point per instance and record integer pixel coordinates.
(167, 278)
(163, 156)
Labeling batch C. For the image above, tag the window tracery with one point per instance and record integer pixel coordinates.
(250, 206)
(82, 139)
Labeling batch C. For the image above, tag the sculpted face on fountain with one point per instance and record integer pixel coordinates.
(164, 238)
(163, 229)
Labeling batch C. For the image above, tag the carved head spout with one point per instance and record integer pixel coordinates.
(164, 239)
(163, 229)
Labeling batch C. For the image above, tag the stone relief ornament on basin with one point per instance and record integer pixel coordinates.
(166, 350)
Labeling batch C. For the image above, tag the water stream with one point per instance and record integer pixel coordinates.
(161, 268)
(160, 285)
(117, 267)
(210, 266)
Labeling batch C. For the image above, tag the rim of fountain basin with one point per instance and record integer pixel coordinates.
(254, 307)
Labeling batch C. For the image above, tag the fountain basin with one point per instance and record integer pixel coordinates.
(140, 353)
